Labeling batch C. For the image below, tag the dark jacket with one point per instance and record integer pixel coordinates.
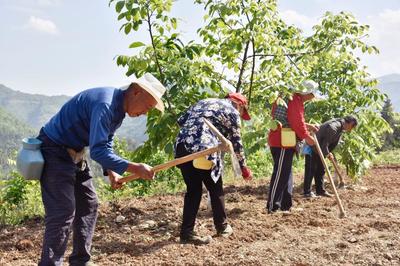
(329, 134)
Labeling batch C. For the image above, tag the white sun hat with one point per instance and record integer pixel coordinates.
(154, 87)
(308, 87)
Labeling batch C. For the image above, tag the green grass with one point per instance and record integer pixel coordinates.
(139, 188)
(387, 157)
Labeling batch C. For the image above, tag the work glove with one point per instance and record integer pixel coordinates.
(246, 173)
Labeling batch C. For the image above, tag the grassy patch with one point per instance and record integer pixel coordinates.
(19, 200)
(387, 157)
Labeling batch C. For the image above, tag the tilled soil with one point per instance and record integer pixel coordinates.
(144, 231)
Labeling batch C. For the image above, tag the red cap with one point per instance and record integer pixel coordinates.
(242, 101)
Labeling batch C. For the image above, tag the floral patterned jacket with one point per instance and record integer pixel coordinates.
(196, 136)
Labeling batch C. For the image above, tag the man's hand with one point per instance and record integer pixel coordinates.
(246, 173)
(330, 156)
(144, 171)
(310, 141)
(114, 180)
(313, 128)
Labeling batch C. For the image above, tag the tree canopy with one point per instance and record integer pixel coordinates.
(245, 46)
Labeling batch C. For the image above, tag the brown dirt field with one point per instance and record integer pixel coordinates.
(311, 235)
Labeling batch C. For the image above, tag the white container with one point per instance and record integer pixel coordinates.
(30, 160)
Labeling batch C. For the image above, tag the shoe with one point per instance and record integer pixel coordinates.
(226, 232)
(297, 209)
(271, 212)
(325, 194)
(88, 263)
(195, 239)
(309, 195)
(285, 212)
(282, 212)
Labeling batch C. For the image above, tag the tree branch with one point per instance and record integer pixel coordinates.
(156, 57)
(239, 82)
(154, 46)
(223, 20)
(247, 15)
(292, 54)
(295, 65)
(252, 70)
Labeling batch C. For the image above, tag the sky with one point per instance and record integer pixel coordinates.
(58, 47)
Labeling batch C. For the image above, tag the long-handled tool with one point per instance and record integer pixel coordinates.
(341, 209)
(224, 146)
(339, 173)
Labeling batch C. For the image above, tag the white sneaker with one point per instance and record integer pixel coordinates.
(226, 232)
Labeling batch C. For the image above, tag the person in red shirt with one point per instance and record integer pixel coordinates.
(289, 115)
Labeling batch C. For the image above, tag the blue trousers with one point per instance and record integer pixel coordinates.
(281, 185)
(70, 203)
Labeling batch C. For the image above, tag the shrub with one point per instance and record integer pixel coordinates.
(20, 200)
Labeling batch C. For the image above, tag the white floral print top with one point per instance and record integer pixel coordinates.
(196, 136)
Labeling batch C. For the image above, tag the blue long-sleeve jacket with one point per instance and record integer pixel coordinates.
(90, 119)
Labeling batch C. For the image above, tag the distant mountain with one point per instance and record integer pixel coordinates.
(33, 109)
(36, 109)
(12, 131)
(390, 84)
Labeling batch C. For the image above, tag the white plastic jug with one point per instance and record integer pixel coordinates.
(30, 160)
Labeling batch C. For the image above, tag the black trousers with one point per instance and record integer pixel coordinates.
(281, 185)
(314, 169)
(70, 203)
(194, 178)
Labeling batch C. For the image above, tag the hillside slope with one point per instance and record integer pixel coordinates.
(33, 109)
(12, 131)
(390, 84)
(36, 109)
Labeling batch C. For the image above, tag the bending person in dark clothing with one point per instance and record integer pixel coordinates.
(328, 137)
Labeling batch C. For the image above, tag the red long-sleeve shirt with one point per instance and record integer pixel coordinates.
(295, 115)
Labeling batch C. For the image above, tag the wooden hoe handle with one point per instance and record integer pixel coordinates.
(177, 161)
(336, 166)
(342, 212)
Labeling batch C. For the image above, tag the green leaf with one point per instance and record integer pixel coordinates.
(119, 6)
(121, 16)
(174, 23)
(136, 44)
(128, 28)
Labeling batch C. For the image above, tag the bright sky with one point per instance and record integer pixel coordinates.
(64, 46)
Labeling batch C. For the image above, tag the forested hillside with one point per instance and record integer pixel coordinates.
(36, 109)
(23, 114)
(11, 133)
(33, 109)
(390, 84)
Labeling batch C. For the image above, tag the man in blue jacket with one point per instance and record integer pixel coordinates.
(89, 119)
